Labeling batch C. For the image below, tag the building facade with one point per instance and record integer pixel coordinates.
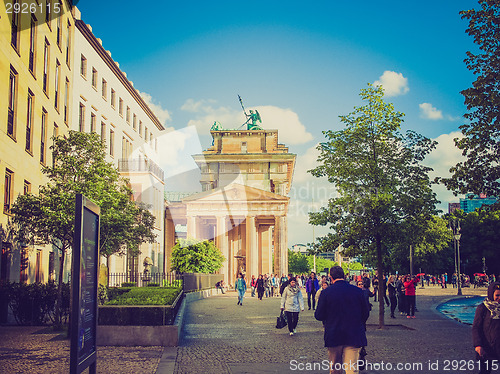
(107, 103)
(471, 202)
(57, 76)
(36, 80)
(243, 208)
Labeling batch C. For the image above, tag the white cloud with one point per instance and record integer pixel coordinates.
(427, 111)
(291, 130)
(162, 114)
(441, 160)
(394, 84)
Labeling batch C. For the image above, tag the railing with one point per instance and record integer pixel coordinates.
(140, 164)
(142, 280)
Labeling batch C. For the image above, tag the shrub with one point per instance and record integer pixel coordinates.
(175, 283)
(146, 296)
(129, 284)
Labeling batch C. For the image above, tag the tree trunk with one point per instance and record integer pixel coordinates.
(380, 269)
(57, 319)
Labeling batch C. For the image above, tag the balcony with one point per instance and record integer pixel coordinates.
(140, 165)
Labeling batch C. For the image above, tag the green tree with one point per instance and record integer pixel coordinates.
(79, 166)
(298, 263)
(380, 181)
(480, 173)
(192, 256)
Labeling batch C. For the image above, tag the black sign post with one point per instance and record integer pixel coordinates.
(84, 284)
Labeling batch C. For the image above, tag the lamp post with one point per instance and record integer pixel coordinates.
(456, 236)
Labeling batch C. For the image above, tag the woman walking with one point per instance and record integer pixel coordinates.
(486, 330)
(292, 302)
(241, 287)
(391, 288)
(312, 285)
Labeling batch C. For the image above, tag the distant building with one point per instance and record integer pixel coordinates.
(300, 248)
(471, 202)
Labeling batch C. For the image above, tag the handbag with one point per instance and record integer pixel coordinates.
(280, 321)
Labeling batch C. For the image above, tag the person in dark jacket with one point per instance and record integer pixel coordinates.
(343, 309)
(391, 287)
(486, 329)
(312, 285)
(260, 286)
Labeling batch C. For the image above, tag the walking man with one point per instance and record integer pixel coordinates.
(344, 311)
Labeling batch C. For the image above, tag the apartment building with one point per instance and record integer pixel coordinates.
(36, 80)
(107, 103)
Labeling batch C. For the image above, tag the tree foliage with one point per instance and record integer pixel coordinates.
(191, 256)
(79, 167)
(379, 178)
(480, 173)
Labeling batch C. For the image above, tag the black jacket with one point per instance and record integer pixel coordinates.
(486, 332)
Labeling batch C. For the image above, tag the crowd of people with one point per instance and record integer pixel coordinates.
(346, 305)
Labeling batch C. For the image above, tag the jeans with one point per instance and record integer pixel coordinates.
(241, 293)
(312, 295)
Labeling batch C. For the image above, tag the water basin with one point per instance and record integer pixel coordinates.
(461, 309)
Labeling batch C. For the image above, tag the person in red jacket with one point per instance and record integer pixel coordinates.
(410, 295)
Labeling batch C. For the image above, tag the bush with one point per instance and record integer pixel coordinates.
(129, 284)
(145, 296)
(153, 285)
(175, 283)
(34, 304)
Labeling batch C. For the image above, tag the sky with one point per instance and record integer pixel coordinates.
(301, 64)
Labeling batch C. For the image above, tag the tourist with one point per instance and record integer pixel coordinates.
(391, 288)
(375, 286)
(267, 285)
(312, 285)
(260, 287)
(343, 309)
(324, 285)
(486, 329)
(292, 302)
(253, 284)
(400, 288)
(410, 295)
(241, 287)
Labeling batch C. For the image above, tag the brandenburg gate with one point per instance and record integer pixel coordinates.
(246, 176)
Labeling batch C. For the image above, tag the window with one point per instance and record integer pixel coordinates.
(145, 134)
(128, 115)
(11, 127)
(140, 128)
(14, 41)
(24, 263)
(113, 98)
(43, 136)
(59, 32)
(29, 122)
(244, 147)
(103, 133)
(68, 41)
(52, 267)
(57, 82)
(126, 148)
(104, 90)
(66, 100)
(31, 65)
(27, 187)
(94, 78)
(120, 107)
(83, 66)
(111, 142)
(7, 199)
(134, 121)
(92, 122)
(81, 118)
(151, 138)
(46, 66)
(38, 266)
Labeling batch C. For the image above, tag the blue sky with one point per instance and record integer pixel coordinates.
(302, 64)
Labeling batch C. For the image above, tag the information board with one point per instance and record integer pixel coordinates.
(84, 283)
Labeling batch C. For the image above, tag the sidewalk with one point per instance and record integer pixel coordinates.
(222, 337)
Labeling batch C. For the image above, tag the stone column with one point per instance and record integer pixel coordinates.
(280, 246)
(169, 242)
(252, 254)
(222, 244)
(191, 227)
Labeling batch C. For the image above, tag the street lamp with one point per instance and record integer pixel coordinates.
(456, 236)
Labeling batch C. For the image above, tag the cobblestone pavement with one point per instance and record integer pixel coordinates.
(222, 337)
(39, 350)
